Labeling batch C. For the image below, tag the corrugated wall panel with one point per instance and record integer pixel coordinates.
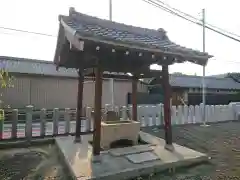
(89, 93)
(122, 88)
(19, 95)
(51, 92)
(47, 92)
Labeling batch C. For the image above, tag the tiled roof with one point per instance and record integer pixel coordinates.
(210, 82)
(234, 76)
(105, 30)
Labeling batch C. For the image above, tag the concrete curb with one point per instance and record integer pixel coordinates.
(64, 162)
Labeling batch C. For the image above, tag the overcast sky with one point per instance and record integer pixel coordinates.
(42, 16)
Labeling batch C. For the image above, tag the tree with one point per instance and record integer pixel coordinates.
(5, 78)
(6, 81)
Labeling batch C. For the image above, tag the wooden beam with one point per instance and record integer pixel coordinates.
(134, 99)
(123, 75)
(97, 112)
(79, 107)
(117, 76)
(167, 108)
(150, 74)
(89, 72)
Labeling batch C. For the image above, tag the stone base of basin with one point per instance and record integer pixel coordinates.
(123, 163)
(112, 131)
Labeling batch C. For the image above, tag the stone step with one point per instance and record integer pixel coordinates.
(142, 157)
(131, 150)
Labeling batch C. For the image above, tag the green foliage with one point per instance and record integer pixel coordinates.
(5, 79)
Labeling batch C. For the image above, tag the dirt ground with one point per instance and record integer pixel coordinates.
(221, 141)
(35, 163)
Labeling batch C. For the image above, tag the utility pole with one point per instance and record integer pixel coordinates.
(110, 10)
(111, 80)
(203, 77)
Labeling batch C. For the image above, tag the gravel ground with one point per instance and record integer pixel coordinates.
(220, 141)
(35, 163)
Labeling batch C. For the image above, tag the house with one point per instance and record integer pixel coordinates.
(219, 89)
(38, 83)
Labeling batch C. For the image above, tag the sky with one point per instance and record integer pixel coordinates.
(42, 16)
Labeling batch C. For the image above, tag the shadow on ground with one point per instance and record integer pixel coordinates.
(220, 141)
(31, 163)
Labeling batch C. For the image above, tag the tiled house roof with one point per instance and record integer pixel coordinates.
(92, 28)
(210, 82)
(234, 76)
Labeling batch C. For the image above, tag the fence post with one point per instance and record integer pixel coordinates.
(28, 126)
(67, 120)
(2, 117)
(88, 119)
(14, 119)
(42, 122)
(55, 121)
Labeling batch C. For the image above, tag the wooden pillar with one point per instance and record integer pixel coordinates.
(134, 99)
(79, 107)
(167, 108)
(97, 112)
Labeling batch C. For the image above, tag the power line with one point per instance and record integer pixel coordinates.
(167, 9)
(198, 23)
(151, 2)
(196, 19)
(25, 31)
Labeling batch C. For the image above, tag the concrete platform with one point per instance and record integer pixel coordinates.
(124, 163)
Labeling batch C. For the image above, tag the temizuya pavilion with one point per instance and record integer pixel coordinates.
(94, 46)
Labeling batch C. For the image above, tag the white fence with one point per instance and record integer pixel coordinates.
(152, 115)
(54, 122)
